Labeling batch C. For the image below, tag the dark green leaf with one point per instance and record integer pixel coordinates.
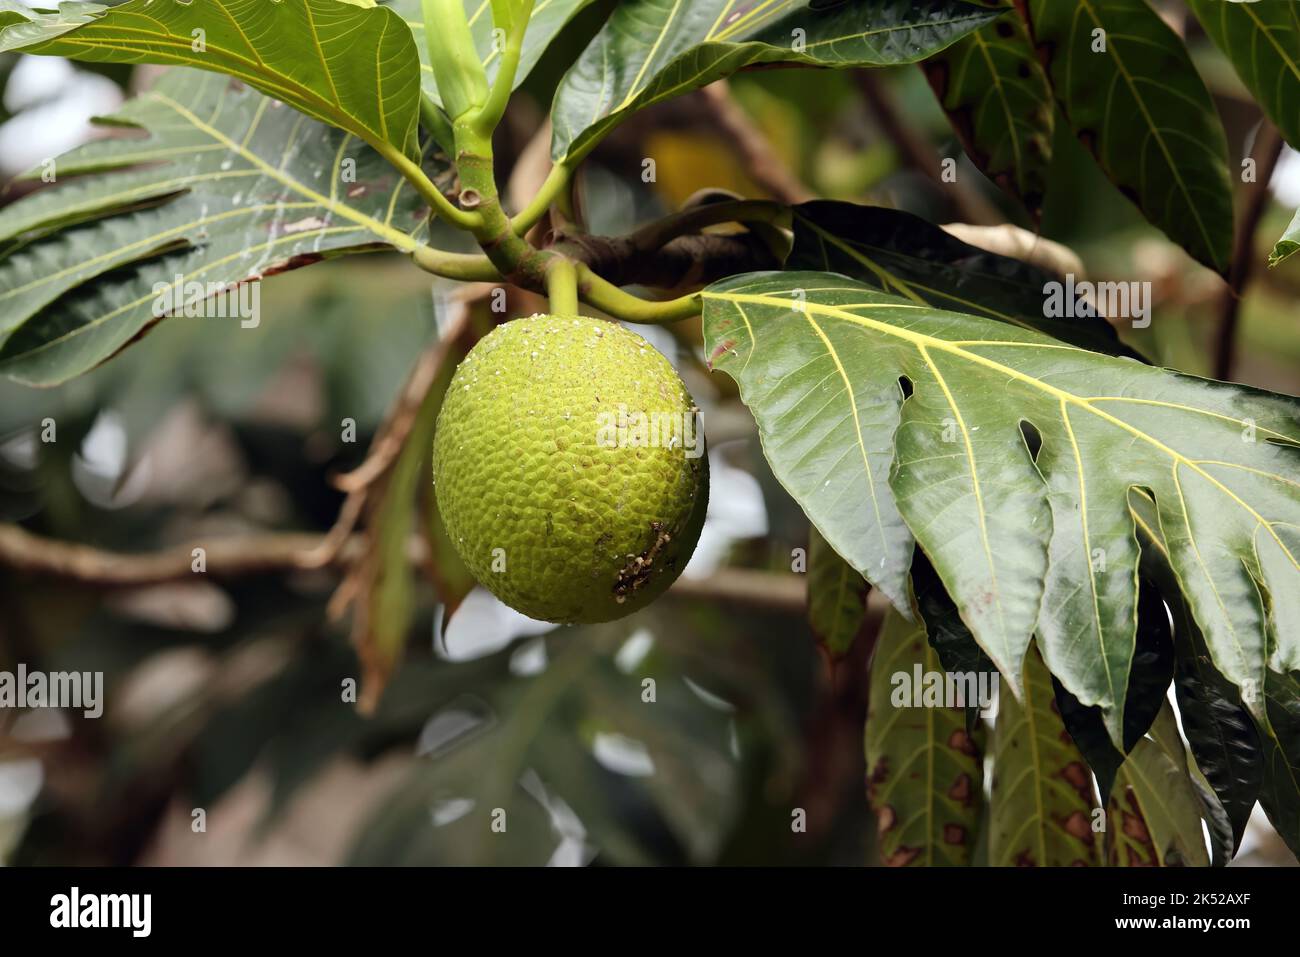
(903, 254)
(651, 50)
(1262, 39)
(1280, 795)
(994, 90)
(1219, 728)
(1143, 111)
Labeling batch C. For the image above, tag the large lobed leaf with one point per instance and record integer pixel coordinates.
(351, 66)
(1143, 111)
(651, 50)
(226, 186)
(1025, 544)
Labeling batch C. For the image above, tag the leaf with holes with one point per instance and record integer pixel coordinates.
(1131, 93)
(1024, 544)
(351, 66)
(652, 50)
(903, 254)
(226, 186)
(924, 770)
(1262, 40)
(1042, 800)
(998, 98)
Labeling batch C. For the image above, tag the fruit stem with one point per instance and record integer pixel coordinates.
(562, 286)
(607, 297)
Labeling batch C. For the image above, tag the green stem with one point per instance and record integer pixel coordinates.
(562, 286)
(495, 107)
(554, 187)
(459, 266)
(430, 193)
(462, 84)
(608, 298)
(518, 260)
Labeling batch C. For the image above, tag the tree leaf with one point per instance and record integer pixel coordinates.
(1042, 801)
(819, 359)
(903, 254)
(1145, 114)
(349, 66)
(1154, 818)
(924, 770)
(32, 26)
(1280, 795)
(651, 50)
(549, 18)
(236, 187)
(1261, 39)
(1288, 244)
(999, 100)
(837, 596)
(1148, 691)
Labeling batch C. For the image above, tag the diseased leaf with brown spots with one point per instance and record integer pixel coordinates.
(924, 772)
(1154, 816)
(1042, 800)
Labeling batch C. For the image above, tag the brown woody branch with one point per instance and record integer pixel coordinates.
(1268, 147)
(234, 558)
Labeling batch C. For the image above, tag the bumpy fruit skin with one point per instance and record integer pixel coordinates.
(549, 507)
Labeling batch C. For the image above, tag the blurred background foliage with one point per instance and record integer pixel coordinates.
(225, 697)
